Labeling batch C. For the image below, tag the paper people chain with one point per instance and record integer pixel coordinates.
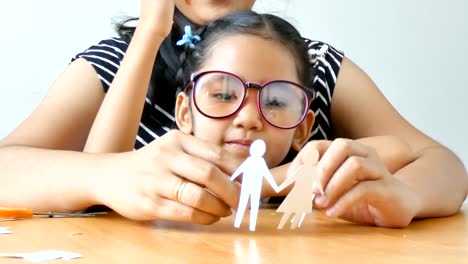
(253, 170)
(299, 200)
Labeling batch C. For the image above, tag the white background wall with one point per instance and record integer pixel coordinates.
(415, 50)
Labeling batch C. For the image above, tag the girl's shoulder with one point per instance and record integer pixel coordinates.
(105, 57)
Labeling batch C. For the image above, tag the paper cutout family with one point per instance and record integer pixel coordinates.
(297, 203)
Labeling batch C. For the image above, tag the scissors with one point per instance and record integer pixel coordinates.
(21, 213)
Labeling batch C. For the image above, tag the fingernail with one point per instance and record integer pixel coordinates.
(321, 200)
(317, 188)
(331, 212)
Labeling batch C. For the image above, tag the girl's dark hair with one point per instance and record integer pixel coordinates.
(265, 26)
(174, 64)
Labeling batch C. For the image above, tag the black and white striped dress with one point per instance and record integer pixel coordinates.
(106, 57)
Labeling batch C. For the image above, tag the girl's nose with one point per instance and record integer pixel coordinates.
(248, 115)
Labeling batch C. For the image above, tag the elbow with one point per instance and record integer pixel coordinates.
(465, 183)
(463, 174)
(465, 178)
(2, 144)
(6, 145)
(459, 169)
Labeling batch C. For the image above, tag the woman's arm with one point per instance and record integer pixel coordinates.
(123, 106)
(138, 184)
(39, 167)
(48, 180)
(377, 184)
(42, 166)
(436, 176)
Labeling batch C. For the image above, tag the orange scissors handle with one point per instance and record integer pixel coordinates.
(15, 213)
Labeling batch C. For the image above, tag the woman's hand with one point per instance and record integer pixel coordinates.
(357, 185)
(144, 183)
(157, 16)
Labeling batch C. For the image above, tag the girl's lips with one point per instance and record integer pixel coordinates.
(241, 147)
(247, 142)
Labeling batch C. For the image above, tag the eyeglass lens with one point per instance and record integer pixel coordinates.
(219, 95)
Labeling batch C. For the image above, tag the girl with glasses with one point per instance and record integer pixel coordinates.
(248, 78)
(78, 144)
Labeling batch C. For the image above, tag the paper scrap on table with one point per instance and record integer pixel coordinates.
(5, 231)
(42, 256)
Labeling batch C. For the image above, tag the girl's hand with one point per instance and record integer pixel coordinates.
(157, 16)
(358, 186)
(144, 183)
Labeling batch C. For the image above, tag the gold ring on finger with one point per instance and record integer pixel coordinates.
(180, 190)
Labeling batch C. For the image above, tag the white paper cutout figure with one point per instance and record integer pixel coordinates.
(299, 201)
(253, 169)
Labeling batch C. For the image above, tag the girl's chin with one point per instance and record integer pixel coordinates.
(240, 152)
(237, 154)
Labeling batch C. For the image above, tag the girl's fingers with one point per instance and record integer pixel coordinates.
(208, 152)
(165, 185)
(171, 210)
(201, 199)
(195, 160)
(146, 207)
(352, 171)
(168, 185)
(206, 174)
(348, 203)
(382, 203)
(336, 154)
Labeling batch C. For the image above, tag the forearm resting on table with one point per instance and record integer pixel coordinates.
(48, 180)
(439, 181)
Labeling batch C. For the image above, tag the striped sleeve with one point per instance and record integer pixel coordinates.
(326, 62)
(105, 57)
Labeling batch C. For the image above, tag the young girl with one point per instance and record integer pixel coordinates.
(74, 151)
(246, 80)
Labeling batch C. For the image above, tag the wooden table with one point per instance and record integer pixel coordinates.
(113, 239)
